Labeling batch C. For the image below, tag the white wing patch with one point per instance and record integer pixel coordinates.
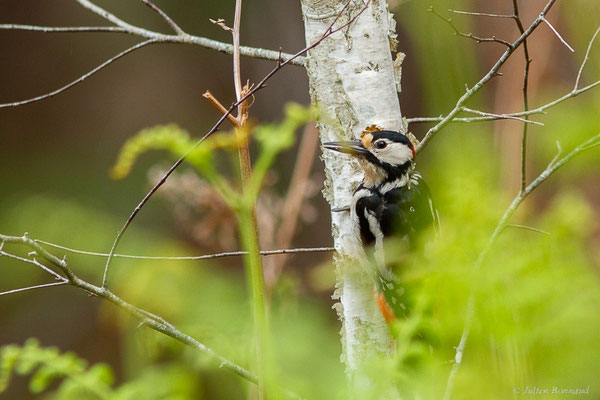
(376, 231)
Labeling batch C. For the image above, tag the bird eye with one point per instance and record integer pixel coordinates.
(380, 144)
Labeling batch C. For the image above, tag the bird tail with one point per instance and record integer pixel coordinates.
(390, 298)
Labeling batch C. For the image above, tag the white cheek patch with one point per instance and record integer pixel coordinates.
(395, 154)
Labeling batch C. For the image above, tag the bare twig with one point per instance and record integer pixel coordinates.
(220, 108)
(34, 262)
(558, 35)
(58, 29)
(591, 146)
(242, 107)
(469, 35)
(478, 14)
(525, 96)
(45, 285)
(183, 258)
(501, 116)
(261, 84)
(149, 319)
(585, 59)
(81, 78)
(539, 110)
(221, 23)
(460, 349)
(495, 117)
(183, 37)
(529, 228)
(237, 75)
(164, 16)
(552, 167)
(489, 75)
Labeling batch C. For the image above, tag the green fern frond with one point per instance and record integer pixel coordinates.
(161, 137)
(48, 365)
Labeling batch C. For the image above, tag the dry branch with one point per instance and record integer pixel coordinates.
(539, 110)
(489, 75)
(191, 258)
(469, 35)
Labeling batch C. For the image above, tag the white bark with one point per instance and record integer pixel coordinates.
(352, 82)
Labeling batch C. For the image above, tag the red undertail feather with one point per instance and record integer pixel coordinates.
(385, 309)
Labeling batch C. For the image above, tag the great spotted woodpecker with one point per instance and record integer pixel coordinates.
(392, 200)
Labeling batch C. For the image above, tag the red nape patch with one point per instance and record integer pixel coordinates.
(385, 309)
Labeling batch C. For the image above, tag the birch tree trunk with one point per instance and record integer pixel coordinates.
(352, 82)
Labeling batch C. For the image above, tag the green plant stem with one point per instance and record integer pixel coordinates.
(253, 262)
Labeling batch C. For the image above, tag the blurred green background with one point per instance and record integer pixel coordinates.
(538, 294)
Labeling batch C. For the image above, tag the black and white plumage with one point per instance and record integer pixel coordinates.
(392, 200)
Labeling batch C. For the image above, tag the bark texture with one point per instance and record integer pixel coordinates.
(351, 77)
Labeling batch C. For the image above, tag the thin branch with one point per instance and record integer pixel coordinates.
(237, 74)
(529, 228)
(45, 285)
(221, 23)
(592, 146)
(460, 349)
(242, 109)
(501, 116)
(202, 257)
(525, 96)
(34, 262)
(468, 35)
(478, 14)
(58, 29)
(586, 58)
(220, 108)
(81, 78)
(164, 16)
(552, 167)
(261, 84)
(495, 117)
(558, 35)
(489, 75)
(148, 319)
(183, 38)
(540, 110)
(559, 153)
(113, 18)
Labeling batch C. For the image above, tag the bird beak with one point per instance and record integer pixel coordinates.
(354, 148)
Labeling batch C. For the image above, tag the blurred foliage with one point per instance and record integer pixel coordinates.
(47, 365)
(536, 294)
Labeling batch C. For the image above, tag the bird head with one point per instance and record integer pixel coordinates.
(384, 155)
